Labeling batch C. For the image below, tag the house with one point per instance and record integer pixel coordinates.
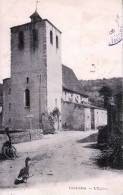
(77, 112)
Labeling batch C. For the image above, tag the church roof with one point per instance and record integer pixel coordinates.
(35, 17)
(70, 81)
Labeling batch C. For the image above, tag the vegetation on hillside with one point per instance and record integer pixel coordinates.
(92, 88)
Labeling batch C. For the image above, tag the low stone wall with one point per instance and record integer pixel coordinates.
(19, 137)
(3, 138)
(26, 136)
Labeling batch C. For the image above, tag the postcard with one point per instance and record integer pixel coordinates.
(61, 97)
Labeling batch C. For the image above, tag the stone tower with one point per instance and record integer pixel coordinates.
(35, 86)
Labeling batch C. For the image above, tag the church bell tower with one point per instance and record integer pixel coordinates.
(36, 71)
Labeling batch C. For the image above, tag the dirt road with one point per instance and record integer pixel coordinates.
(62, 157)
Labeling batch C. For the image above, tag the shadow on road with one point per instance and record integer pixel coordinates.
(90, 138)
(91, 146)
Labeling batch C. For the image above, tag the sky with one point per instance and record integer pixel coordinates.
(85, 26)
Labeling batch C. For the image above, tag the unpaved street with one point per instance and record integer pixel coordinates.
(62, 157)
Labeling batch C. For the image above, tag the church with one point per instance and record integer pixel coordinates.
(41, 84)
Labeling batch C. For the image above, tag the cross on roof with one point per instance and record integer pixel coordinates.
(37, 1)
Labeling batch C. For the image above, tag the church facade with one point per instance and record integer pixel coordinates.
(39, 82)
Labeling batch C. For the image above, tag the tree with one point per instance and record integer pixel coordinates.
(106, 92)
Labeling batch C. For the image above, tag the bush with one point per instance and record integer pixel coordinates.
(112, 156)
(103, 136)
(47, 124)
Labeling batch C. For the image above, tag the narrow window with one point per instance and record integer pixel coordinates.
(21, 40)
(51, 37)
(57, 42)
(27, 80)
(34, 38)
(27, 98)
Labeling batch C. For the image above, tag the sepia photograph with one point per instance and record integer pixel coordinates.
(61, 97)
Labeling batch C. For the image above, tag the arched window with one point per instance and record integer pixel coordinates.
(34, 38)
(51, 37)
(27, 98)
(21, 40)
(27, 80)
(57, 42)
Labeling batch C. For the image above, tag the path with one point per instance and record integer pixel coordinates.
(56, 158)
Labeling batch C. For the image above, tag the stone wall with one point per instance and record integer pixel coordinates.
(26, 136)
(3, 138)
(72, 116)
(100, 117)
(87, 119)
(42, 67)
(19, 137)
(27, 63)
(54, 69)
(6, 102)
(80, 117)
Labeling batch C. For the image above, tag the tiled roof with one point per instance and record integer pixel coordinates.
(70, 81)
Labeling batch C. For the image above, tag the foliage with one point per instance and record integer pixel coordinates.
(47, 123)
(103, 135)
(92, 88)
(106, 92)
(111, 148)
(112, 156)
(55, 112)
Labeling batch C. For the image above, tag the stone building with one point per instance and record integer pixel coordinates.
(36, 73)
(39, 82)
(77, 112)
